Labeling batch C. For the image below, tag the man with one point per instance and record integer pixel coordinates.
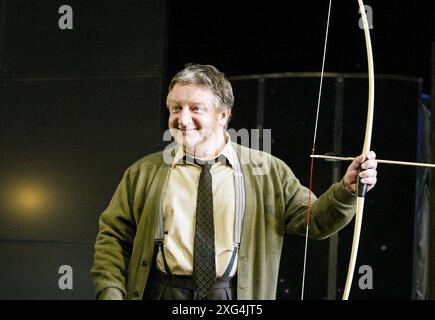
(205, 219)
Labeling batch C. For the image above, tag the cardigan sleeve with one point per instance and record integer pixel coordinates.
(329, 213)
(114, 243)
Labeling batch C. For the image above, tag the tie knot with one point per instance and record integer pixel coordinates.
(206, 166)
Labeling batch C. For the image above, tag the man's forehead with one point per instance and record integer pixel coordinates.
(190, 93)
(179, 99)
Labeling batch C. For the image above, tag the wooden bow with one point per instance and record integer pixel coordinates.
(366, 148)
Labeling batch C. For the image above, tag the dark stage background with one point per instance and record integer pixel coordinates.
(78, 106)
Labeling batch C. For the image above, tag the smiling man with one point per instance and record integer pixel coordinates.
(197, 118)
(204, 223)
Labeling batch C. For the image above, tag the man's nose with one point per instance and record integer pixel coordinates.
(185, 117)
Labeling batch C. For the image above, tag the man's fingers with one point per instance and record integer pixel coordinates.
(356, 163)
(369, 164)
(364, 162)
(369, 181)
(371, 155)
(369, 173)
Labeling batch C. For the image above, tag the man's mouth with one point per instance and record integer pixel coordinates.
(187, 129)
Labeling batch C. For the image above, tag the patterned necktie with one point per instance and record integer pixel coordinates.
(204, 264)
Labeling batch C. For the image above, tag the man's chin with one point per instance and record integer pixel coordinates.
(187, 143)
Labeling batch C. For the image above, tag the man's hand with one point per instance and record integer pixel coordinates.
(368, 176)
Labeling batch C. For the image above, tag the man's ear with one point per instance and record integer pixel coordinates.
(224, 117)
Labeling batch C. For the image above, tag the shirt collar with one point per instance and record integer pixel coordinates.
(227, 155)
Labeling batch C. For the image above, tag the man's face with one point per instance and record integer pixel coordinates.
(194, 120)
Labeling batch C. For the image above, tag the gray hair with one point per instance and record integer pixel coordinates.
(207, 76)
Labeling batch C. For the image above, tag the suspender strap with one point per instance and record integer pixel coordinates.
(231, 263)
(160, 233)
(239, 186)
(159, 238)
(161, 246)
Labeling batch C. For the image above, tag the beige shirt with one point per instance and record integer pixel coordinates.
(179, 210)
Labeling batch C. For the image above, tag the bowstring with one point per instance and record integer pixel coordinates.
(313, 150)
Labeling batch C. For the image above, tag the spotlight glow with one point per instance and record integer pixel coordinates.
(29, 199)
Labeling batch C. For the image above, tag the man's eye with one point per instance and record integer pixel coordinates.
(196, 108)
(175, 109)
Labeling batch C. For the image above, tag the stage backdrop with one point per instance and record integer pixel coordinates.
(81, 99)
